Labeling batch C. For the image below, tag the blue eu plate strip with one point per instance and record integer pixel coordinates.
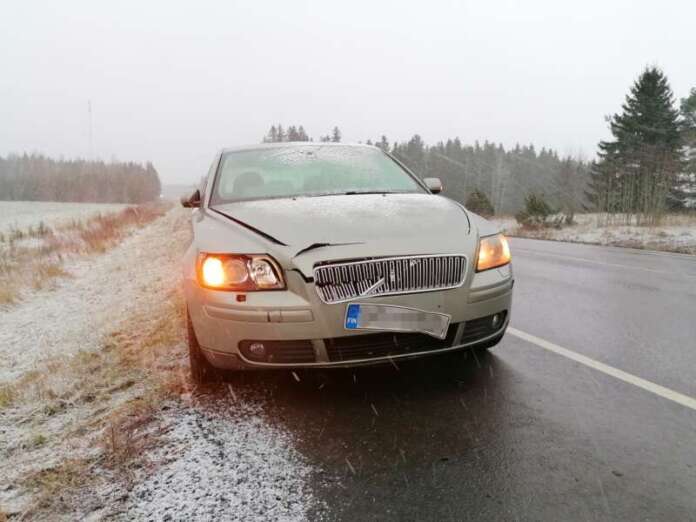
(352, 316)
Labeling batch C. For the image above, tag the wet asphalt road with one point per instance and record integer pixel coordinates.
(520, 433)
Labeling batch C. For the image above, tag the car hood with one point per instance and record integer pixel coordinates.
(305, 230)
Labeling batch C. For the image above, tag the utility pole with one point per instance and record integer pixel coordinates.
(89, 113)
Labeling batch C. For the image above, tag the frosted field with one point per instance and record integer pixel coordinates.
(676, 233)
(24, 214)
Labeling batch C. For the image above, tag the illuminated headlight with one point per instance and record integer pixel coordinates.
(494, 251)
(240, 273)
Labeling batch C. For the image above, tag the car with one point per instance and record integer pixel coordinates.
(318, 255)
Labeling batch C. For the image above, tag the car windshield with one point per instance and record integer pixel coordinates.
(308, 170)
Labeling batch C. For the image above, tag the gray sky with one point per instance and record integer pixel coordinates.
(173, 83)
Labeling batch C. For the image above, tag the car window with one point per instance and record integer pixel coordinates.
(309, 170)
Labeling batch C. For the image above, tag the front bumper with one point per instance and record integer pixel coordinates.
(222, 321)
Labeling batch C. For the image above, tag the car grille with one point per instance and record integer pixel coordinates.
(339, 282)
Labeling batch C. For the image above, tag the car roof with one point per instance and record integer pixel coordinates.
(298, 144)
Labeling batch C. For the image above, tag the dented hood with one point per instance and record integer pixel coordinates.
(303, 231)
(352, 218)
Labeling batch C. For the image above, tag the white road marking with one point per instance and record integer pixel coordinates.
(663, 392)
(574, 258)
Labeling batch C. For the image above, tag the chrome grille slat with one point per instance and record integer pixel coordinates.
(345, 281)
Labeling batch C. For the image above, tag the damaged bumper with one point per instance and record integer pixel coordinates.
(295, 328)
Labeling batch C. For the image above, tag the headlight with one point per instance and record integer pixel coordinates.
(241, 273)
(494, 251)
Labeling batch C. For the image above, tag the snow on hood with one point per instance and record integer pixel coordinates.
(302, 221)
(307, 230)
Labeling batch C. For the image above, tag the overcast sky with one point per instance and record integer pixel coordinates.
(172, 83)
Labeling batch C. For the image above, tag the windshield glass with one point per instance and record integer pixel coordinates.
(308, 170)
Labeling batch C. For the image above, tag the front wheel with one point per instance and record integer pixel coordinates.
(201, 370)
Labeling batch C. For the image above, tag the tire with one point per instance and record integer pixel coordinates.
(201, 370)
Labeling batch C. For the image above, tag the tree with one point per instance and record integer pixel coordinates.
(272, 135)
(301, 134)
(336, 135)
(413, 154)
(38, 178)
(688, 178)
(479, 203)
(688, 114)
(536, 211)
(277, 134)
(281, 136)
(383, 143)
(637, 170)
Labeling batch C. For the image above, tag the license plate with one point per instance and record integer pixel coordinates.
(360, 316)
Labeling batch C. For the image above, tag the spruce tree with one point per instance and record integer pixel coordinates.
(272, 135)
(688, 113)
(479, 203)
(637, 170)
(292, 133)
(281, 136)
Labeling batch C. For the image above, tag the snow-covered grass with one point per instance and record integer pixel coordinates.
(22, 215)
(33, 257)
(675, 233)
(222, 460)
(74, 361)
(98, 417)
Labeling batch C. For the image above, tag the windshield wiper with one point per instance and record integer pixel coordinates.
(358, 192)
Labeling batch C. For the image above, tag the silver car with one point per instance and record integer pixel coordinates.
(330, 255)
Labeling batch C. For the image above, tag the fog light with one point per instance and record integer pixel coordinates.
(495, 321)
(258, 349)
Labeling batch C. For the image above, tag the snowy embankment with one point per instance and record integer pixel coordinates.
(98, 294)
(74, 441)
(677, 233)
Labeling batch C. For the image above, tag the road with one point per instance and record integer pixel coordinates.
(526, 432)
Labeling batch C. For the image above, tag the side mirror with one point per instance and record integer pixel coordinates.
(434, 184)
(193, 201)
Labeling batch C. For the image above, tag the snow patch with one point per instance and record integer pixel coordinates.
(24, 214)
(222, 462)
(676, 236)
